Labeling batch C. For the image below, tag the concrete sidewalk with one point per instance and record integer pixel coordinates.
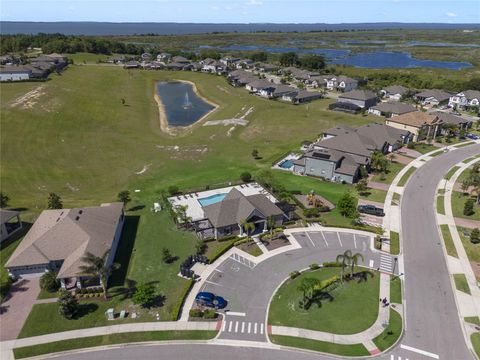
(363, 337)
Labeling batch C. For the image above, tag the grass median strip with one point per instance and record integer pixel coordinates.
(441, 204)
(337, 349)
(111, 339)
(448, 241)
(396, 199)
(476, 343)
(396, 290)
(473, 320)
(461, 283)
(406, 176)
(394, 243)
(391, 333)
(450, 173)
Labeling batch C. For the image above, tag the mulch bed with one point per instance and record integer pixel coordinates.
(303, 200)
(276, 243)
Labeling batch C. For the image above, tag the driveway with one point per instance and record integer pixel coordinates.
(17, 306)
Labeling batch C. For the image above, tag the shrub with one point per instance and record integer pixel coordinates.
(468, 208)
(330, 264)
(144, 295)
(49, 282)
(411, 145)
(475, 236)
(181, 299)
(242, 241)
(209, 314)
(173, 190)
(195, 313)
(378, 242)
(294, 274)
(310, 213)
(314, 266)
(246, 176)
(68, 305)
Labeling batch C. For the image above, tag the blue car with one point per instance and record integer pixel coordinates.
(473, 136)
(210, 300)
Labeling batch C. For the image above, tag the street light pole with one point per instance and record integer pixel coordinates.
(395, 259)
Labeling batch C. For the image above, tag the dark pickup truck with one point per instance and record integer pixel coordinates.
(371, 210)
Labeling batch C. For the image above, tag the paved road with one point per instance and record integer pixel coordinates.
(432, 322)
(248, 286)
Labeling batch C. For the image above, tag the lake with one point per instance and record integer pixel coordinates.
(373, 60)
(181, 104)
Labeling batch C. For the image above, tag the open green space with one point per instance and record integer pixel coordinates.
(393, 169)
(476, 342)
(450, 172)
(394, 243)
(461, 283)
(458, 203)
(350, 308)
(472, 250)
(396, 290)
(373, 195)
(326, 347)
(448, 241)
(44, 294)
(119, 338)
(424, 148)
(391, 333)
(441, 204)
(403, 180)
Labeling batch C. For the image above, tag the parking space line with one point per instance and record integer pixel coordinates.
(261, 328)
(255, 328)
(230, 324)
(213, 283)
(309, 238)
(243, 327)
(354, 241)
(236, 326)
(233, 313)
(220, 271)
(249, 327)
(340, 241)
(371, 263)
(323, 237)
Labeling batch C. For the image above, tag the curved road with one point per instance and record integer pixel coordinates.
(432, 323)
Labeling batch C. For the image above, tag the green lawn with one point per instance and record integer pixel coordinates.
(393, 170)
(391, 333)
(396, 199)
(354, 307)
(441, 204)
(461, 283)
(403, 180)
(111, 339)
(424, 148)
(46, 294)
(374, 195)
(338, 349)
(476, 342)
(394, 243)
(447, 239)
(458, 203)
(450, 172)
(473, 320)
(396, 290)
(472, 250)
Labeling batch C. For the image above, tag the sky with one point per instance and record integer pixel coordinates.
(243, 11)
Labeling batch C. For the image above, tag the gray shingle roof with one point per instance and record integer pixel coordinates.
(395, 89)
(6, 215)
(440, 95)
(358, 95)
(394, 107)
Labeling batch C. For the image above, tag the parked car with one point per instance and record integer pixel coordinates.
(473, 136)
(371, 210)
(210, 300)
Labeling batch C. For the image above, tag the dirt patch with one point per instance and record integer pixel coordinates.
(144, 169)
(325, 202)
(28, 100)
(278, 242)
(190, 152)
(72, 188)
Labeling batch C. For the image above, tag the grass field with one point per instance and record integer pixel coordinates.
(391, 333)
(458, 202)
(112, 339)
(461, 283)
(354, 307)
(447, 239)
(374, 195)
(338, 349)
(394, 243)
(393, 170)
(424, 148)
(472, 250)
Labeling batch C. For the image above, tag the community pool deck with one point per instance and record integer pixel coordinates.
(195, 209)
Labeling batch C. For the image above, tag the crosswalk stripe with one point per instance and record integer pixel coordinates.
(243, 327)
(392, 357)
(236, 326)
(249, 327)
(230, 326)
(255, 328)
(224, 325)
(261, 328)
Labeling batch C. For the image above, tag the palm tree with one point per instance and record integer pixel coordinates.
(354, 260)
(344, 259)
(307, 285)
(392, 157)
(271, 224)
(97, 267)
(247, 226)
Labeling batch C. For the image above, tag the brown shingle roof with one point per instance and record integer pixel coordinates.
(416, 119)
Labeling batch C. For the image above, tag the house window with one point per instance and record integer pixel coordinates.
(323, 171)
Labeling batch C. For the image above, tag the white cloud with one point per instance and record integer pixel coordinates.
(451, 14)
(254, 2)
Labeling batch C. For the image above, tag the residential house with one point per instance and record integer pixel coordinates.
(179, 60)
(394, 92)
(15, 73)
(320, 81)
(229, 61)
(131, 65)
(212, 66)
(55, 60)
(275, 91)
(10, 223)
(458, 121)
(245, 64)
(341, 83)
(433, 97)
(256, 85)
(164, 57)
(241, 77)
(301, 96)
(390, 109)
(225, 217)
(146, 56)
(59, 239)
(262, 67)
(354, 101)
(465, 99)
(421, 124)
(175, 66)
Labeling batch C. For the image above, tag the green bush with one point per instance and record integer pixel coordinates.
(243, 241)
(144, 295)
(209, 314)
(246, 176)
(49, 282)
(226, 238)
(475, 236)
(468, 209)
(313, 212)
(181, 299)
(330, 264)
(219, 252)
(173, 190)
(314, 266)
(195, 313)
(294, 274)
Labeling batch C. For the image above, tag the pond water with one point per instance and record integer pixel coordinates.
(374, 60)
(182, 105)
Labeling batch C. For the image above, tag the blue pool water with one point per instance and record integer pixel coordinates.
(287, 164)
(212, 199)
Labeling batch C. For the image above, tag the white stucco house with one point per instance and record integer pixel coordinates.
(15, 73)
(465, 99)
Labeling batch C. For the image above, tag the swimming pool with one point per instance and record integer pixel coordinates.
(287, 164)
(212, 199)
